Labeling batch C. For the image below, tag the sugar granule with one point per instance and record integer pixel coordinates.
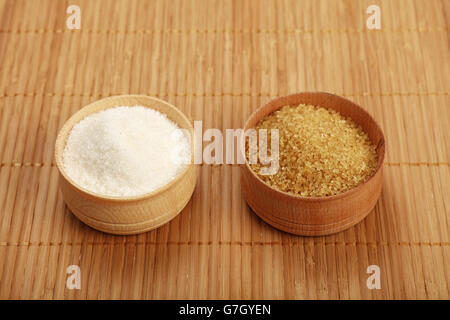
(321, 152)
(125, 151)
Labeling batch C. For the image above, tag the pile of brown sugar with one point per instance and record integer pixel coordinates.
(321, 152)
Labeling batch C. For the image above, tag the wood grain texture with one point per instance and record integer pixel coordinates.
(218, 68)
(127, 215)
(314, 216)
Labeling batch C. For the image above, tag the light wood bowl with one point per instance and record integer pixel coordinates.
(127, 215)
(315, 216)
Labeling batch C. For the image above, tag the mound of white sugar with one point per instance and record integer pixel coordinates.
(125, 151)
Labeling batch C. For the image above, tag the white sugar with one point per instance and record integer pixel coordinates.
(125, 151)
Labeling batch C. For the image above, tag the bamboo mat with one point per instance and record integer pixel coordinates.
(218, 61)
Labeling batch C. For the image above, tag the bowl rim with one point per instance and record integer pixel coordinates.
(380, 160)
(61, 140)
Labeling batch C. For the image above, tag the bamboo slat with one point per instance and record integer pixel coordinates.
(218, 61)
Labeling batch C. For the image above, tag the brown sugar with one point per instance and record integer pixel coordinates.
(321, 152)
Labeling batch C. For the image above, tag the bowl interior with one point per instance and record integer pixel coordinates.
(172, 113)
(330, 101)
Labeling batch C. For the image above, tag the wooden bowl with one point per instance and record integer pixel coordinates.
(127, 215)
(315, 216)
